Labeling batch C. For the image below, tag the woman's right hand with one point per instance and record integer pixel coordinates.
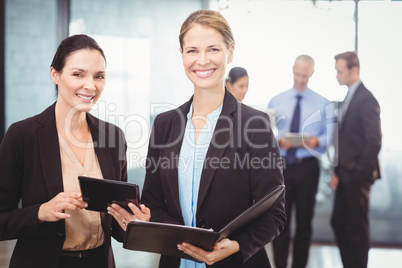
(54, 210)
(123, 217)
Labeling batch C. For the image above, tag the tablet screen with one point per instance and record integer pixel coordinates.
(101, 193)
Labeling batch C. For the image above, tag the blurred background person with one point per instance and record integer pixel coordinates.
(358, 145)
(295, 110)
(237, 82)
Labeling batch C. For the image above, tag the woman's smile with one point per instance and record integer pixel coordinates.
(204, 73)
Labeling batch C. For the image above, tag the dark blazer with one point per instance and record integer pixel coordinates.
(242, 165)
(359, 136)
(30, 169)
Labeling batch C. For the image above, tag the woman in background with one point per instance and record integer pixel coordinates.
(41, 158)
(237, 83)
(208, 135)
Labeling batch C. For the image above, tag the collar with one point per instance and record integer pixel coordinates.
(229, 106)
(354, 86)
(303, 93)
(212, 114)
(352, 89)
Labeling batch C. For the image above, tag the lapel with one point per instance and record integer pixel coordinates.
(353, 105)
(225, 124)
(175, 138)
(50, 156)
(221, 139)
(106, 161)
(50, 152)
(102, 148)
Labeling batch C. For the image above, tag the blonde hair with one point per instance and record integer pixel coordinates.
(305, 58)
(208, 18)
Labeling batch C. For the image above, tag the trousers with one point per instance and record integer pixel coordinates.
(301, 181)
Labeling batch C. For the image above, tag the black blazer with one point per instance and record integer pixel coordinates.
(242, 165)
(359, 136)
(30, 169)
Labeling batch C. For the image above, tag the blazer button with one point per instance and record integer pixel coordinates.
(201, 224)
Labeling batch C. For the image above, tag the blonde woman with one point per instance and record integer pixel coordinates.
(208, 159)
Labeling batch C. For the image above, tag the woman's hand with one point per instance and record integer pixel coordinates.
(123, 217)
(54, 210)
(222, 250)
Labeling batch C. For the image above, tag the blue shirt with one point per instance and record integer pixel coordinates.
(191, 161)
(316, 118)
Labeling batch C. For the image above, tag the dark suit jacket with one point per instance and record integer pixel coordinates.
(30, 169)
(359, 136)
(242, 165)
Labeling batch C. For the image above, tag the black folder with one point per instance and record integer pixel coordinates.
(101, 193)
(163, 238)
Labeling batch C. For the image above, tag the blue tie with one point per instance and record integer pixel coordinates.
(294, 128)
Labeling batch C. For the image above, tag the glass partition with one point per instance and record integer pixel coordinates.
(270, 34)
(145, 75)
(144, 69)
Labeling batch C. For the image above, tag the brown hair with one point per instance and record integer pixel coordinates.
(208, 18)
(235, 74)
(351, 59)
(70, 45)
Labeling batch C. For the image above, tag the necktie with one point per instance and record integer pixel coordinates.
(294, 128)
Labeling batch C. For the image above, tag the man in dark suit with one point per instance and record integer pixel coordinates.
(357, 145)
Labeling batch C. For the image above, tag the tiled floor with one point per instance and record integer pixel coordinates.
(321, 256)
(327, 256)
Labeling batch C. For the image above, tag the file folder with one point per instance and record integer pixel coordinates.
(163, 238)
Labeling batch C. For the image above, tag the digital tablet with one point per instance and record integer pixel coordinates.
(296, 139)
(101, 193)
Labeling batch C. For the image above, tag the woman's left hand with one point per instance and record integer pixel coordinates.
(123, 217)
(222, 250)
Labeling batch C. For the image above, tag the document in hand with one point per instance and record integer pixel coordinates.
(100, 193)
(296, 139)
(163, 238)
